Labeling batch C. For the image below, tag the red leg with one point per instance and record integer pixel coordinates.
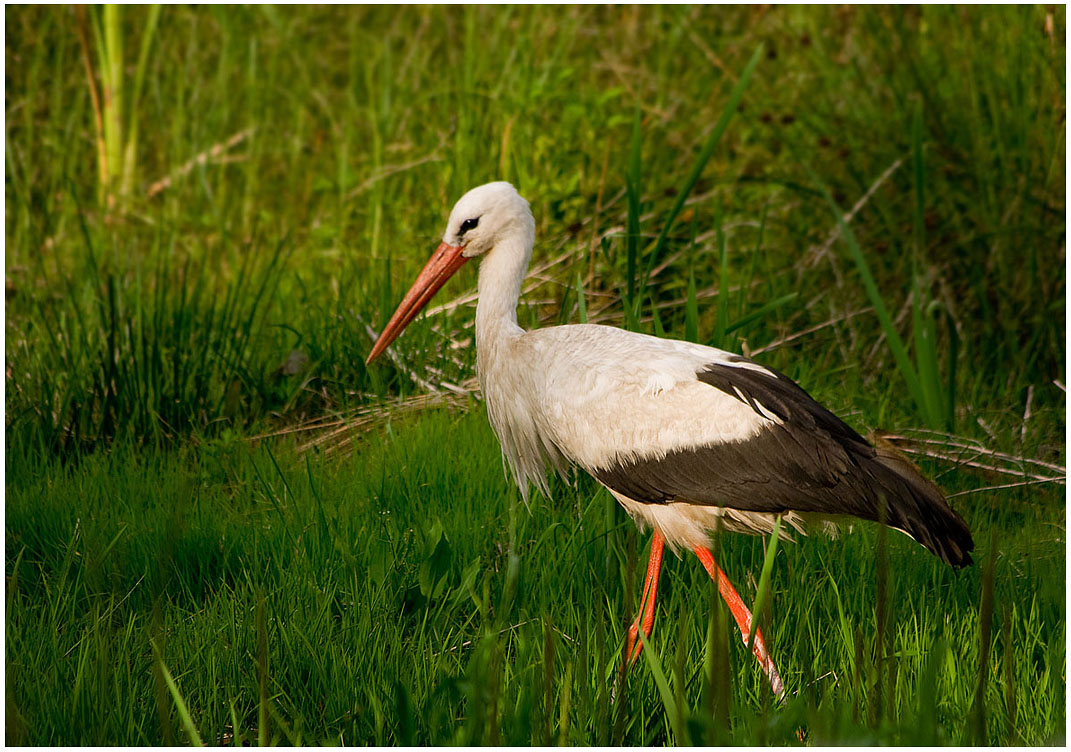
(647, 603)
(743, 618)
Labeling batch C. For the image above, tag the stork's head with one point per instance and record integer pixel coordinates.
(485, 215)
(481, 220)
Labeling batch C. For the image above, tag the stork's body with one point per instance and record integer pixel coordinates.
(683, 435)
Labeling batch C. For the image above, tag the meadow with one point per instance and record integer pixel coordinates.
(222, 527)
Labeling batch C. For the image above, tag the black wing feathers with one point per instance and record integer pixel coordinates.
(809, 461)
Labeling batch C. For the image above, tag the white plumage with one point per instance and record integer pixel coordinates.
(595, 395)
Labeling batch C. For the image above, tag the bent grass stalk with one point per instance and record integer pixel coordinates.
(925, 394)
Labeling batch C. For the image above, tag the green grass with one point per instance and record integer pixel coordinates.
(292, 169)
(405, 598)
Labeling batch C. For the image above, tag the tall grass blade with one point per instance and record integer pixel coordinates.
(581, 302)
(985, 638)
(403, 711)
(877, 704)
(718, 692)
(926, 732)
(924, 329)
(263, 733)
(888, 327)
(236, 732)
(680, 720)
(563, 714)
(111, 74)
(923, 325)
(859, 672)
(82, 24)
(603, 710)
(761, 312)
(722, 323)
(656, 319)
(920, 183)
(321, 517)
(130, 153)
(764, 583)
(548, 677)
(664, 690)
(386, 297)
(495, 693)
(691, 311)
(563, 311)
(180, 705)
(634, 190)
(953, 358)
(13, 580)
(1010, 701)
(720, 668)
(701, 162)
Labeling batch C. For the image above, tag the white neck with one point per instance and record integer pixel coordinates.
(499, 288)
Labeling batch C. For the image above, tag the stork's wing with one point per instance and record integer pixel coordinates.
(798, 458)
(801, 458)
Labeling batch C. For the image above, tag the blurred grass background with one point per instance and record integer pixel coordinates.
(290, 170)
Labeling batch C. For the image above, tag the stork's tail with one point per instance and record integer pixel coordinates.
(917, 507)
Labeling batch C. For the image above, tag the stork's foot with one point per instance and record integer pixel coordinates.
(742, 616)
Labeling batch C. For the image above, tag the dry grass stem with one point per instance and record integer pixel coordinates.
(98, 120)
(1006, 485)
(781, 341)
(215, 153)
(965, 453)
(422, 383)
(386, 171)
(817, 254)
(336, 433)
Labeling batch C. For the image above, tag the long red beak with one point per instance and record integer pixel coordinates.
(442, 265)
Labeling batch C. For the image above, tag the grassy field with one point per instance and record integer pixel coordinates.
(222, 527)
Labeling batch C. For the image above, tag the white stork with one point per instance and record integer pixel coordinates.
(682, 435)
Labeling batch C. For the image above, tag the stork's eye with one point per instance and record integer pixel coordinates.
(468, 224)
